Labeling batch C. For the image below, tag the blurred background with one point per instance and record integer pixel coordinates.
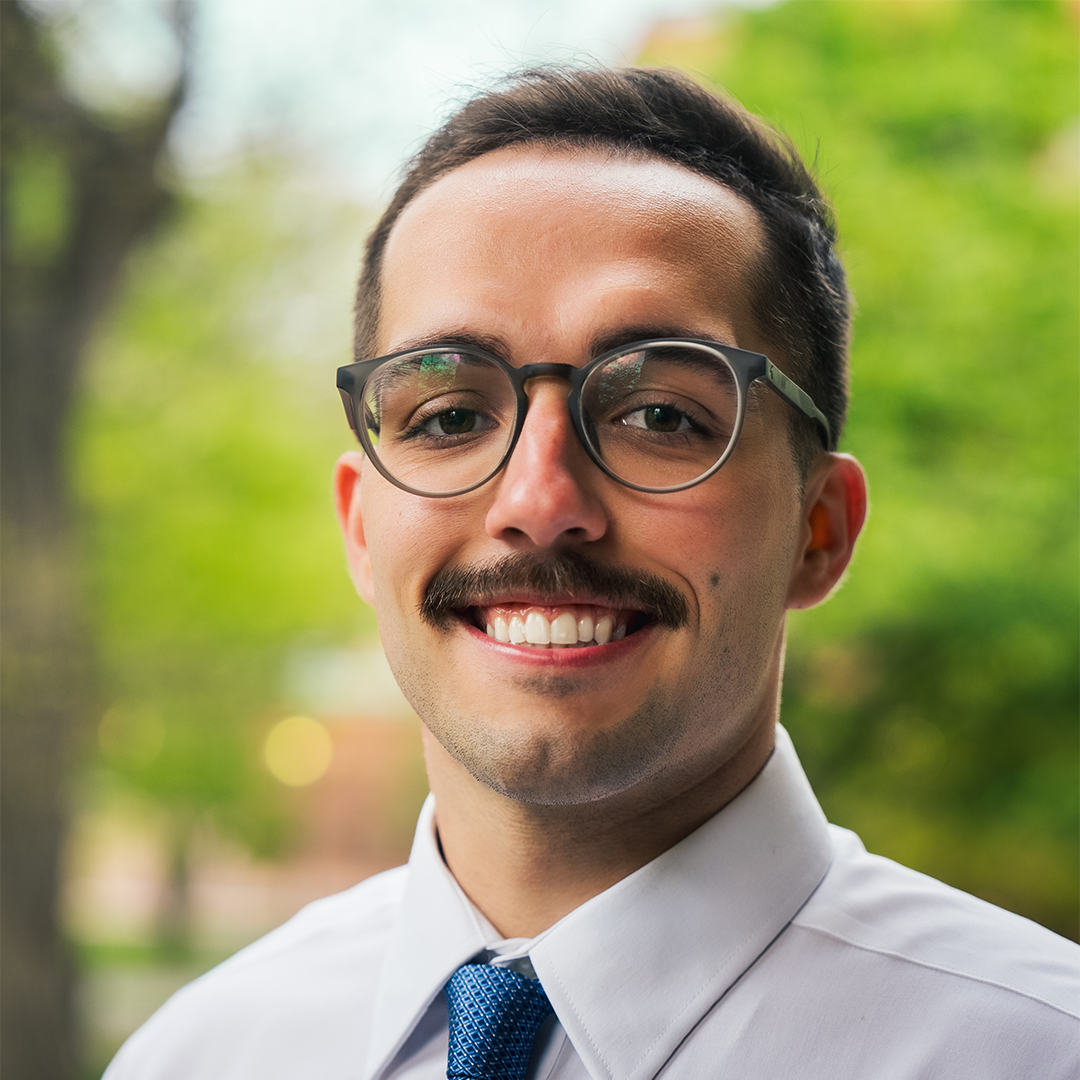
(200, 734)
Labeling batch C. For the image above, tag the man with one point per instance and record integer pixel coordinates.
(585, 504)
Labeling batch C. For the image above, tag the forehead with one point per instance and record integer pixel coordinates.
(534, 236)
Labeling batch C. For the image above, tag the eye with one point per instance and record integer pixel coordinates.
(453, 422)
(662, 418)
(440, 424)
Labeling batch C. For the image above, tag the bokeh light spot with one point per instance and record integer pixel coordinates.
(298, 751)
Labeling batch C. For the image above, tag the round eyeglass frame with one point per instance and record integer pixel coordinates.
(748, 367)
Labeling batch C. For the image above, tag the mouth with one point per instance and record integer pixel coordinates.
(566, 601)
(559, 626)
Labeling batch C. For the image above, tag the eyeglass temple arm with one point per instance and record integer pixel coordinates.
(795, 395)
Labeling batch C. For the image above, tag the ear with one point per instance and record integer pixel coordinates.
(833, 511)
(350, 517)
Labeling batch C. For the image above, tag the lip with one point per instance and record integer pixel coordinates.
(543, 601)
(584, 656)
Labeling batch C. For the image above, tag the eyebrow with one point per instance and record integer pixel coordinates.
(598, 344)
(625, 335)
(465, 338)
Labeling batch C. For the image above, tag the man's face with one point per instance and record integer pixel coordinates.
(550, 255)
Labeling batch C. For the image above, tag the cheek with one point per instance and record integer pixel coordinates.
(738, 549)
(409, 539)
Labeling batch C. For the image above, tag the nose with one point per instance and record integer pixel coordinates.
(546, 495)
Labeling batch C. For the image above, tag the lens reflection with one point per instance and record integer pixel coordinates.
(661, 417)
(439, 421)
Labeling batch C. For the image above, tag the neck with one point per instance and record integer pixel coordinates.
(525, 865)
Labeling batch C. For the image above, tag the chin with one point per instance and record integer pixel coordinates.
(564, 767)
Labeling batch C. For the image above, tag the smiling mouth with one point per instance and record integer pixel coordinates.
(564, 601)
(562, 627)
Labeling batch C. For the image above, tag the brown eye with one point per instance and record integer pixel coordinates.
(453, 422)
(662, 418)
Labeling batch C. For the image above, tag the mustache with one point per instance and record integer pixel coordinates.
(564, 574)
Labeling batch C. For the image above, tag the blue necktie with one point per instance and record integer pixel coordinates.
(494, 1015)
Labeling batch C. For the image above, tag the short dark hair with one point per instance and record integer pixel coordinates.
(801, 301)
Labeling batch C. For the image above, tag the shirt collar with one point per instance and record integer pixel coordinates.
(436, 931)
(634, 969)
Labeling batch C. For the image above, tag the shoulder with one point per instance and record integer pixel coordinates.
(300, 995)
(934, 974)
(875, 904)
(889, 974)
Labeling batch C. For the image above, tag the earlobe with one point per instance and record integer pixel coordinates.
(350, 518)
(834, 510)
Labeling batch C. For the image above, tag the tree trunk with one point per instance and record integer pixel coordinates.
(77, 193)
(174, 914)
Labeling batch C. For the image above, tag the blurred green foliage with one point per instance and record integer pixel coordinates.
(203, 454)
(934, 701)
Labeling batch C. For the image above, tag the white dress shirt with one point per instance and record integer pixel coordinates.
(766, 945)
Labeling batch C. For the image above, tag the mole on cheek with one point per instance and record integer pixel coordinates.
(714, 580)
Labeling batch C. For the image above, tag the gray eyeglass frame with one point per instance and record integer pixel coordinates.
(749, 367)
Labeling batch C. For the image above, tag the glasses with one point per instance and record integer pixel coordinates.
(656, 416)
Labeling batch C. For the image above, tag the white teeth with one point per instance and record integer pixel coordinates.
(537, 629)
(534, 628)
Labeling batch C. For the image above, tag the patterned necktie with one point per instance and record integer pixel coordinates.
(494, 1015)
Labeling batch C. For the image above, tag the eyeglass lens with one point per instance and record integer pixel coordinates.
(657, 417)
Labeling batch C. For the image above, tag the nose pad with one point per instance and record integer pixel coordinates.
(546, 493)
